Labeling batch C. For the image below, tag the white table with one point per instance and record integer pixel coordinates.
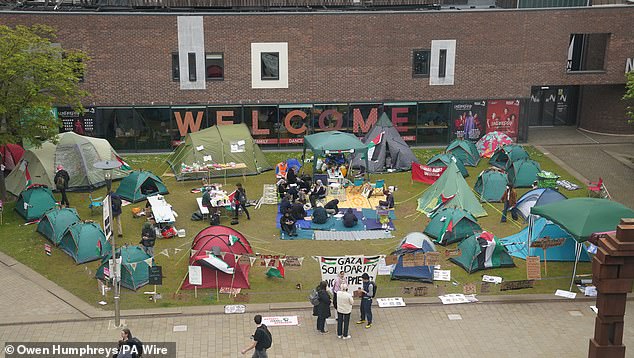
(161, 210)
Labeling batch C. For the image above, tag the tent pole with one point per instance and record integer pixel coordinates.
(530, 234)
(574, 270)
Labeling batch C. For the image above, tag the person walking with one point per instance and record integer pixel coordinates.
(116, 203)
(129, 347)
(336, 286)
(262, 339)
(344, 309)
(322, 310)
(367, 293)
(241, 201)
(148, 238)
(510, 199)
(61, 181)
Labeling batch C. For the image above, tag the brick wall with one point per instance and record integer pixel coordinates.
(340, 57)
(602, 110)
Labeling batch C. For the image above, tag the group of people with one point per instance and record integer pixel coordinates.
(213, 197)
(342, 300)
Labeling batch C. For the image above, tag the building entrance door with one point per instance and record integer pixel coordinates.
(553, 106)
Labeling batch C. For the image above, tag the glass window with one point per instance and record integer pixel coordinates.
(362, 116)
(191, 61)
(586, 52)
(224, 115)
(403, 117)
(160, 131)
(442, 63)
(175, 67)
(420, 63)
(330, 117)
(189, 119)
(214, 66)
(262, 122)
(294, 123)
(270, 66)
(433, 123)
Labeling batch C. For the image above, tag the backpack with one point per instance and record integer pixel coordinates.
(314, 297)
(197, 216)
(214, 219)
(375, 288)
(60, 182)
(267, 344)
(139, 346)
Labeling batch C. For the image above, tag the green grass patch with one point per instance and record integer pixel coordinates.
(27, 246)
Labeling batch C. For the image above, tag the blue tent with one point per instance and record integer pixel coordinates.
(516, 244)
(414, 242)
(536, 197)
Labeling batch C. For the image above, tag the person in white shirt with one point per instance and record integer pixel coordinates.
(344, 309)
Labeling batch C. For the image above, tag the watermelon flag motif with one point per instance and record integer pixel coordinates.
(446, 231)
(329, 260)
(370, 260)
(276, 271)
(27, 175)
(99, 247)
(124, 165)
(233, 239)
(373, 143)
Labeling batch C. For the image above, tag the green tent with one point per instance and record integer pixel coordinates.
(505, 155)
(84, 242)
(76, 153)
(523, 173)
(140, 184)
(34, 201)
(224, 144)
(482, 251)
(581, 217)
(334, 142)
(464, 150)
(55, 222)
(442, 160)
(450, 191)
(451, 225)
(135, 264)
(491, 185)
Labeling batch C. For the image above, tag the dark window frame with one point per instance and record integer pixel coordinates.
(191, 64)
(442, 63)
(262, 76)
(176, 70)
(582, 53)
(222, 66)
(427, 63)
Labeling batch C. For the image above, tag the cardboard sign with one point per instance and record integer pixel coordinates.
(409, 260)
(419, 259)
(565, 294)
(533, 268)
(156, 275)
(241, 297)
(546, 242)
(492, 279)
(485, 287)
(390, 302)
(516, 285)
(391, 260)
(195, 275)
(452, 253)
(469, 288)
(232, 291)
(432, 258)
(245, 259)
(407, 290)
(47, 249)
(442, 275)
(293, 261)
(420, 291)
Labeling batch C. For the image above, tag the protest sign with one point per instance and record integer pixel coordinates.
(352, 266)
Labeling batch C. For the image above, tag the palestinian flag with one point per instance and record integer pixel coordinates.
(215, 262)
(124, 165)
(233, 239)
(370, 260)
(492, 250)
(446, 231)
(328, 260)
(276, 271)
(27, 175)
(99, 248)
(373, 143)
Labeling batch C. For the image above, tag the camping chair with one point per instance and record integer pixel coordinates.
(379, 184)
(598, 189)
(94, 203)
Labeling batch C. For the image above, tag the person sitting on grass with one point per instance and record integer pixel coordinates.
(332, 207)
(297, 211)
(388, 203)
(349, 219)
(285, 204)
(287, 224)
(320, 216)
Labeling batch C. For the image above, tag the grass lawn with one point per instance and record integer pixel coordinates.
(27, 246)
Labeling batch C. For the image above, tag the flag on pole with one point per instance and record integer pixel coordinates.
(446, 231)
(233, 239)
(124, 165)
(373, 143)
(27, 175)
(276, 271)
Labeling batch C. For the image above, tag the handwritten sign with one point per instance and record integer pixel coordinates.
(156, 275)
(442, 275)
(469, 288)
(452, 253)
(420, 291)
(391, 260)
(533, 268)
(432, 258)
(354, 266)
(234, 309)
(485, 287)
(230, 290)
(280, 321)
(47, 249)
(565, 294)
(546, 242)
(409, 260)
(293, 261)
(195, 275)
(492, 279)
(391, 302)
(516, 285)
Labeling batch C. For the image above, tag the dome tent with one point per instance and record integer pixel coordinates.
(505, 155)
(490, 142)
(135, 264)
(10, 155)
(55, 222)
(140, 184)
(523, 173)
(213, 249)
(482, 251)
(414, 242)
(536, 197)
(451, 225)
(491, 185)
(76, 153)
(84, 242)
(34, 201)
(443, 160)
(465, 150)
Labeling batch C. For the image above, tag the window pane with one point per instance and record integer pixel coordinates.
(270, 66)
(191, 59)
(586, 52)
(442, 63)
(214, 66)
(175, 67)
(262, 122)
(421, 62)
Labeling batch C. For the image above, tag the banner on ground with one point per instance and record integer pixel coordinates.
(426, 174)
(353, 266)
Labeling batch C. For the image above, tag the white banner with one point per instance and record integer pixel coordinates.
(107, 217)
(352, 266)
(195, 275)
(280, 321)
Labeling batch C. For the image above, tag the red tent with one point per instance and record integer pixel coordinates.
(11, 155)
(207, 251)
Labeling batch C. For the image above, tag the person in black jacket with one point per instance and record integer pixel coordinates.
(320, 216)
(61, 181)
(349, 219)
(332, 207)
(297, 211)
(129, 346)
(116, 202)
(148, 238)
(322, 310)
(285, 204)
(388, 203)
(287, 224)
(241, 201)
(318, 192)
(291, 177)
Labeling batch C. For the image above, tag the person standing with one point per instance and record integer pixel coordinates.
(322, 310)
(510, 199)
(344, 309)
(367, 293)
(241, 201)
(336, 286)
(116, 203)
(262, 339)
(148, 238)
(61, 181)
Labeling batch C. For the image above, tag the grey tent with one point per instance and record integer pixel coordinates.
(390, 150)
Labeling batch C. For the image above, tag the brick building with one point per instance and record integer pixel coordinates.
(437, 72)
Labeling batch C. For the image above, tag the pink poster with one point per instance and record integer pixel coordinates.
(503, 116)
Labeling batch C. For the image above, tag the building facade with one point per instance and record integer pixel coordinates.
(153, 77)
